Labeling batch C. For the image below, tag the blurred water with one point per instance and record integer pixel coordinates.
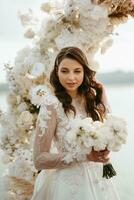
(121, 100)
(122, 103)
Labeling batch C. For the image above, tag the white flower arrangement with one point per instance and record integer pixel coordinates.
(64, 23)
(86, 134)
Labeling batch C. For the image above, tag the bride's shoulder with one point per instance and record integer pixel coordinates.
(49, 98)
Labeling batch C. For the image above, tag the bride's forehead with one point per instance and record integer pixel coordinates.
(70, 64)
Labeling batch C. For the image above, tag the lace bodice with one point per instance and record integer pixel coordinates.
(52, 126)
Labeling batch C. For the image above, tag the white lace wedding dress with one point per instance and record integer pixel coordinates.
(57, 179)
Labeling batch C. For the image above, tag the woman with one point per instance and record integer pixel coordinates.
(75, 94)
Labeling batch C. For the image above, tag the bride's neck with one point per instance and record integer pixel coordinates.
(73, 95)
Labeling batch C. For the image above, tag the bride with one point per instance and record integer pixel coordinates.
(75, 93)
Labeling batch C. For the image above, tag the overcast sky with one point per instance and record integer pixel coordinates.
(120, 56)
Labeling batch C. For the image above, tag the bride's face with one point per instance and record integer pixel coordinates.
(71, 74)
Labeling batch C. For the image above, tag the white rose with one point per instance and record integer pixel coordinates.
(25, 119)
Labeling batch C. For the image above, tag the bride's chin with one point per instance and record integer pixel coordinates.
(71, 89)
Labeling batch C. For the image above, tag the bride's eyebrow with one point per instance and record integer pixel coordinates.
(78, 68)
(64, 68)
(67, 68)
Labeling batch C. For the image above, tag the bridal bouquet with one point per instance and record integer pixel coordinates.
(86, 134)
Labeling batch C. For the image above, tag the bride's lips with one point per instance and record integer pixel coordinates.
(71, 84)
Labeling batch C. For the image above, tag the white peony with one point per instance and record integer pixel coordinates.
(86, 123)
(36, 93)
(79, 140)
(115, 122)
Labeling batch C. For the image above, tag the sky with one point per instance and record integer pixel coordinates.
(118, 57)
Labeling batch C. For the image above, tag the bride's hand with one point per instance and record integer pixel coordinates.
(98, 156)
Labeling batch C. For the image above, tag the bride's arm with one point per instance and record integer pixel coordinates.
(45, 131)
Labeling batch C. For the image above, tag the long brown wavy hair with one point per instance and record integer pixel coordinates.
(89, 88)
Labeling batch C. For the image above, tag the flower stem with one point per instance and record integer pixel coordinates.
(108, 171)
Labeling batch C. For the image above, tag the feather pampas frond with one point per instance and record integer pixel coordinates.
(118, 8)
(116, 20)
(23, 185)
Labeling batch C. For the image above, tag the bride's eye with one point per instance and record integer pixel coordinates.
(63, 71)
(77, 71)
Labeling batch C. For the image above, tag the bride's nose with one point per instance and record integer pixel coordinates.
(71, 76)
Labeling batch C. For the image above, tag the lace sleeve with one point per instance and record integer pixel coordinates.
(45, 131)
